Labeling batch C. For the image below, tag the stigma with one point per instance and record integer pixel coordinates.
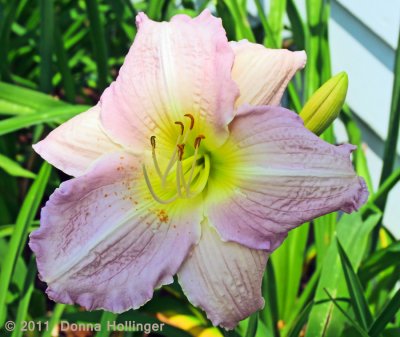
(189, 169)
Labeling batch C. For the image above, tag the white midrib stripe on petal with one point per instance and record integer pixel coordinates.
(168, 67)
(287, 172)
(76, 258)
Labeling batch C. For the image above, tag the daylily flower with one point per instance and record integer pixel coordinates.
(175, 172)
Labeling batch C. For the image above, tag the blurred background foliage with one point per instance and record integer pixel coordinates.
(337, 276)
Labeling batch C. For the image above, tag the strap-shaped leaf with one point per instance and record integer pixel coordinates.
(17, 242)
(358, 300)
(345, 314)
(385, 316)
(379, 261)
(14, 169)
(57, 114)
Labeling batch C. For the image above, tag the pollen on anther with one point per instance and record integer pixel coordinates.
(197, 141)
(182, 126)
(191, 120)
(153, 141)
(181, 149)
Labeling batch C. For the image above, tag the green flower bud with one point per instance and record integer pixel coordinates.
(325, 104)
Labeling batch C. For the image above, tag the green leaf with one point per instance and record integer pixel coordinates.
(55, 319)
(383, 190)
(253, 324)
(46, 44)
(379, 261)
(276, 15)
(324, 229)
(354, 134)
(58, 114)
(6, 23)
(62, 61)
(288, 262)
(270, 42)
(27, 99)
(300, 321)
(297, 24)
(394, 125)
(23, 305)
(269, 314)
(325, 319)
(14, 169)
(18, 239)
(98, 42)
(358, 301)
(106, 317)
(349, 319)
(302, 302)
(10, 108)
(154, 9)
(242, 25)
(385, 316)
(7, 230)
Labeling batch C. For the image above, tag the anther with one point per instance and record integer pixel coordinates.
(181, 149)
(182, 126)
(197, 141)
(191, 120)
(153, 142)
(154, 156)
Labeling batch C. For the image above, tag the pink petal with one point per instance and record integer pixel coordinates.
(103, 243)
(76, 144)
(263, 74)
(223, 278)
(172, 69)
(284, 176)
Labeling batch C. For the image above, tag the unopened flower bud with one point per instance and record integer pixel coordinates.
(325, 104)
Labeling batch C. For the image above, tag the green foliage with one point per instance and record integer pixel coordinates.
(333, 277)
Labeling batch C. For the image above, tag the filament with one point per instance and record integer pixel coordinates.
(196, 151)
(171, 162)
(153, 154)
(197, 173)
(150, 187)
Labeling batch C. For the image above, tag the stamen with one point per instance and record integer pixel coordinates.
(178, 178)
(197, 141)
(181, 150)
(150, 187)
(191, 120)
(179, 171)
(182, 126)
(192, 168)
(182, 176)
(153, 154)
(153, 142)
(196, 150)
(172, 160)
